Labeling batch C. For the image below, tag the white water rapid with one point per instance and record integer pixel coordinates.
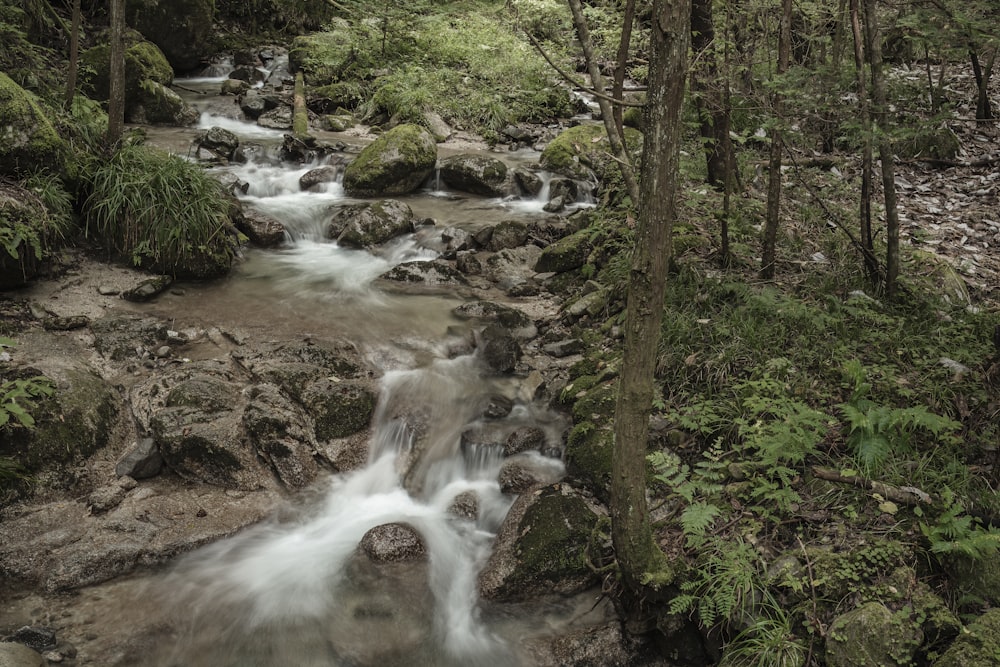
(299, 590)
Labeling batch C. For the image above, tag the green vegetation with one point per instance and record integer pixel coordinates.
(18, 397)
(190, 218)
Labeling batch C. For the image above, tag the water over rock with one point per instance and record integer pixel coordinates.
(262, 230)
(392, 543)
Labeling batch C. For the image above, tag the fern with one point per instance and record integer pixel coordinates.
(696, 519)
(956, 532)
(725, 586)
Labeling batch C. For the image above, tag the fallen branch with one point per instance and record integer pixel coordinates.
(985, 161)
(905, 495)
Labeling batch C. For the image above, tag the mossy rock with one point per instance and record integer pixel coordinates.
(939, 143)
(371, 223)
(566, 254)
(583, 152)
(143, 62)
(541, 547)
(341, 95)
(324, 57)
(158, 105)
(28, 140)
(588, 457)
(478, 174)
(394, 164)
(182, 29)
(74, 422)
(208, 393)
(974, 578)
(978, 646)
(872, 635)
(339, 409)
(24, 231)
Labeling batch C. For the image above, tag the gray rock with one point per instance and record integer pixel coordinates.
(67, 323)
(524, 439)
(564, 348)
(218, 141)
(393, 543)
(432, 273)
(234, 87)
(105, 498)
(438, 127)
(37, 637)
(279, 118)
(498, 407)
(468, 263)
(499, 349)
(516, 477)
(870, 635)
(455, 240)
(253, 104)
(508, 234)
(19, 655)
(555, 204)
(511, 267)
(371, 223)
(465, 505)
(529, 182)
(519, 324)
(279, 431)
(326, 174)
(566, 188)
(262, 230)
(148, 289)
(478, 174)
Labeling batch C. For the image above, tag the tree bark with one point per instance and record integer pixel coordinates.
(618, 87)
(637, 553)
(708, 99)
(769, 251)
(597, 81)
(116, 94)
(885, 154)
(984, 110)
(74, 55)
(867, 238)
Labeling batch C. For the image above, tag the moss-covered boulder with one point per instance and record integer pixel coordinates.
(75, 421)
(182, 29)
(370, 224)
(339, 408)
(566, 254)
(541, 547)
(26, 232)
(939, 143)
(478, 174)
(583, 153)
(394, 164)
(872, 635)
(978, 646)
(158, 105)
(975, 579)
(28, 140)
(143, 62)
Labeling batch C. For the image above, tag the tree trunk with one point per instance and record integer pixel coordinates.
(116, 94)
(867, 238)
(74, 54)
(708, 94)
(885, 154)
(635, 549)
(618, 88)
(769, 251)
(597, 82)
(982, 74)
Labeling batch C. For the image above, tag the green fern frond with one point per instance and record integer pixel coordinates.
(698, 517)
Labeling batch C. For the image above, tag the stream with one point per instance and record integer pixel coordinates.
(297, 589)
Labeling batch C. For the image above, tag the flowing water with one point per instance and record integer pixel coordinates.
(297, 590)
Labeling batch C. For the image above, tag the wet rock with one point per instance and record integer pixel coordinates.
(396, 163)
(37, 637)
(589, 304)
(582, 153)
(523, 439)
(117, 337)
(455, 240)
(279, 432)
(19, 655)
(465, 505)
(432, 273)
(871, 635)
(262, 230)
(279, 118)
(218, 141)
(156, 104)
(253, 104)
(564, 348)
(233, 87)
(68, 323)
(529, 182)
(105, 498)
(339, 408)
(148, 289)
(468, 263)
(478, 174)
(370, 224)
(519, 324)
(508, 234)
(516, 476)
(393, 543)
(499, 349)
(498, 407)
(556, 204)
(248, 74)
(142, 461)
(325, 174)
(511, 267)
(567, 254)
(337, 122)
(540, 547)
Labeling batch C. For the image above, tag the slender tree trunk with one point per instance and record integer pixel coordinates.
(618, 88)
(74, 54)
(707, 92)
(636, 551)
(116, 94)
(885, 154)
(837, 52)
(867, 238)
(769, 251)
(597, 81)
(982, 74)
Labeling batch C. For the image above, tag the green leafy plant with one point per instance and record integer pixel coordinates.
(150, 206)
(954, 531)
(17, 399)
(876, 432)
(726, 584)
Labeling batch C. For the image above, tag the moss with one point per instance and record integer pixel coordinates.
(28, 140)
(978, 646)
(300, 116)
(160, 105)
(395, 163)
(339, 409)
(566, 254)
(588, 457)
(872, 635)
(325, 57)
(583, 151)
(143, 62)
(204, 392)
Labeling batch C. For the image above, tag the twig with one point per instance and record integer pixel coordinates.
(907, 495)
(985, 161)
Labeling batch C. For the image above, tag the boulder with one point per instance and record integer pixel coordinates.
(279, 432)
(977, 646)
(23, 216)
(219, 141)
(518, 323)
(523, 439)
(872, 635)
(511, 267)
(141, 461)
(279, 118)
(478, 174)
(158, 105)
(455, 240)
(530, 183)
(393, 543)
(253, 104)
(396, 163)
(326, 174)
(262, 230)
(566, 254)
(541, 547)
(28, 140)
(499, 349)
(339, 408)
(181, 28)
(583, 153)
(508, 234)
(143, 62)
(369, 224)
(235, 87)
(19, 655)
(429, 274)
